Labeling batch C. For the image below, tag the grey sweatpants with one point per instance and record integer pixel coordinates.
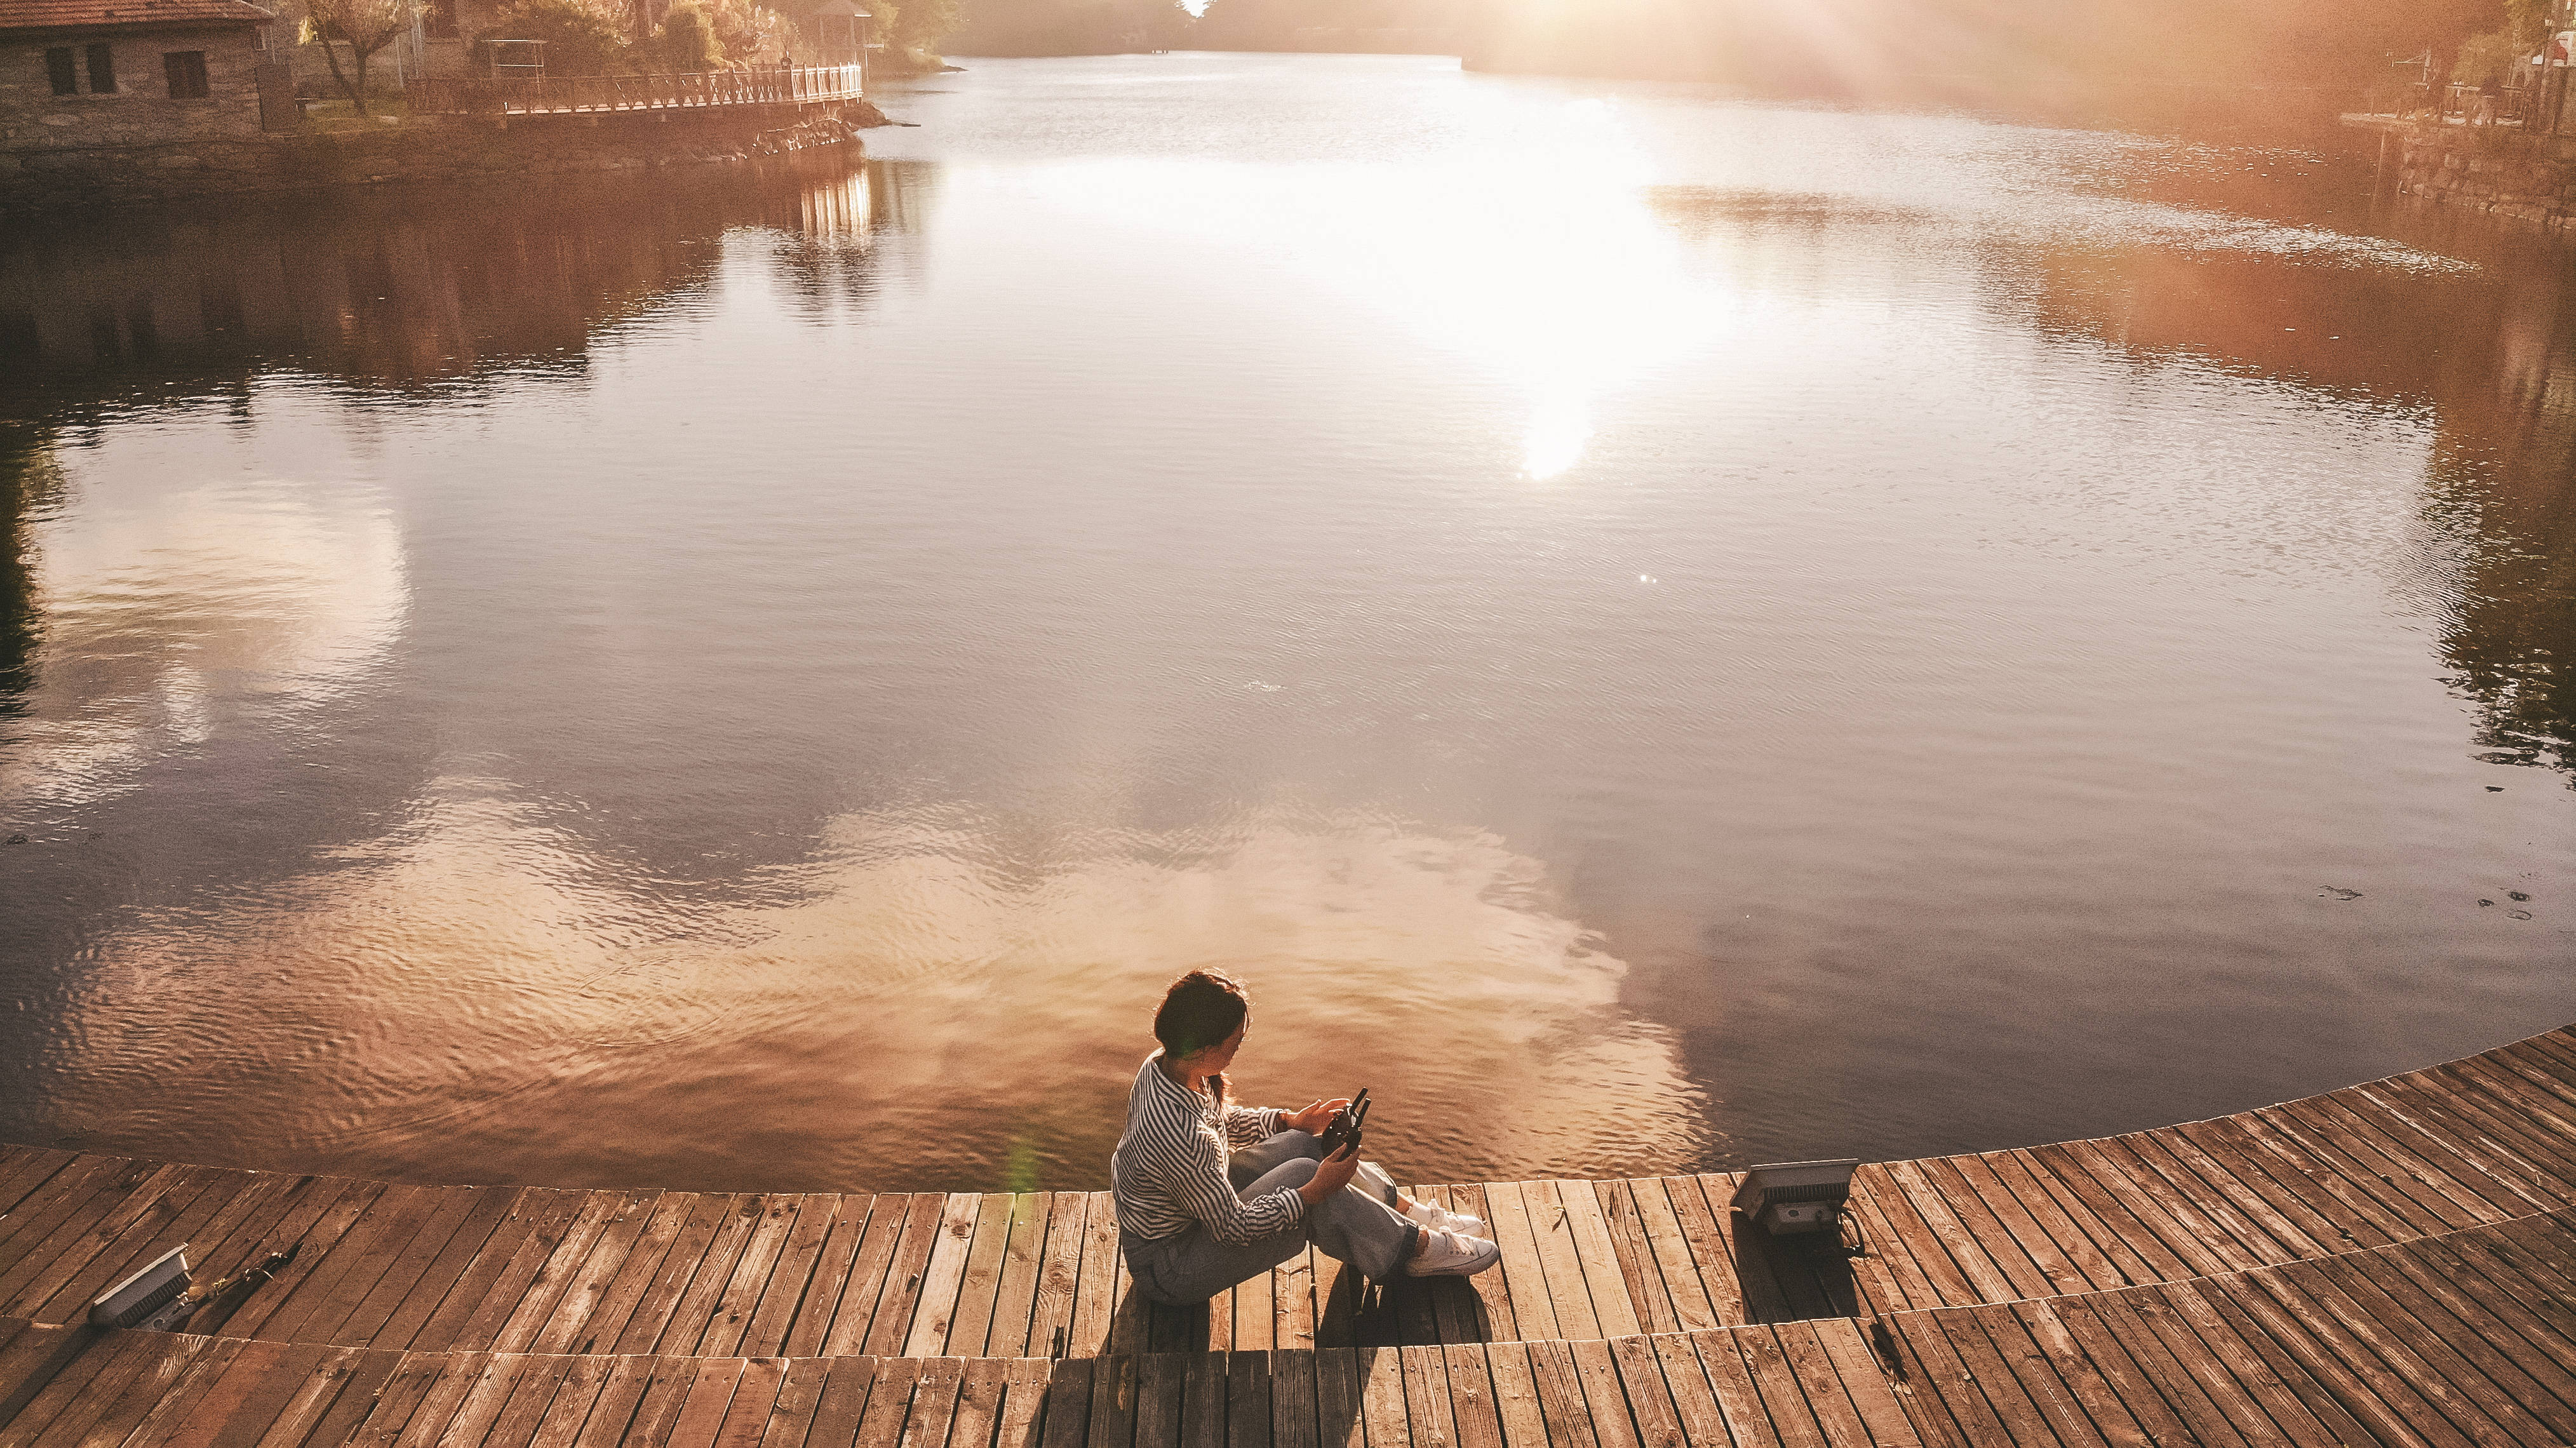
(1358, 1225)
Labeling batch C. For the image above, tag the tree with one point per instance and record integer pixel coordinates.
(583, 37)
(365, 26)
(687, 44)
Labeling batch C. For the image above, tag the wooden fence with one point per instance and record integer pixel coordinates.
(558, 95)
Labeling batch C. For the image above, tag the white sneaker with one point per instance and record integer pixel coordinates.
(1447, 1254)
(1441, 1219)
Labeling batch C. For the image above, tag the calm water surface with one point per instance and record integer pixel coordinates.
(1657, 631)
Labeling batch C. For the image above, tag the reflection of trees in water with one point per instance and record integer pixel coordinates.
(28, 481)
(393, 290)
(408, 286)
(2494, 354)
(2492, 350)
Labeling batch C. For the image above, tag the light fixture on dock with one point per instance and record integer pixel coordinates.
(1796, 1196)
(130, 1302)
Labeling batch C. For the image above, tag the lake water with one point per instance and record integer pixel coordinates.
(1656, 630)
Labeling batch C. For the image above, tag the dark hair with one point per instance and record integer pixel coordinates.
(1200, 1010)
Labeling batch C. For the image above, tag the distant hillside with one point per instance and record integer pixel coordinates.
(2050, 57)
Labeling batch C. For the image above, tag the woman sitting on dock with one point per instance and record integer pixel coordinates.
(1211, 1193)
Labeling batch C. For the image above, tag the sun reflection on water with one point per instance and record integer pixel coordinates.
(1534, 259)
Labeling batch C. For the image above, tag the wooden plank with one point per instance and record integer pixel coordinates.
(1205, 1398)
(2095, 1246)
(1475, 1412)
(539, 1380)
(236, 1411)
(1731, 1387)
(516, 1327)
(844, 1402)
(156, 1382)
(783, 1300)
(1944, 1282)
(1256, 1313)
(2424, 1118)
(78, 1196)
(1820, 1375)
(1612, 1424)
(2071, 1326)
(694, 1311)
(666, 1397)
(1066, 1423)
(2423, 1358)
(508, 1258)
(1339, 1419)
(66, 1285)
(864, 1284)
(2339, 1206)
(981, 1389)
(1381, 1379)
(1113, 1403)
(731, 1310)
(1160, 1382)
(1024, 1404)
(970, 1325)
(2263, 1232)
(1563, 1410)
(1096, 1280)
(73, 1397)
(2062, 1368)
(1579, 1238)
(943, 1276)
(1015, 1302)
(1516, 1405)
(352, 1266)
(491, 1210)
(542, 1267)
(2224, 1320)
(754, 1402)
(1897, 1282)
(2422, 1209)
(1292, 1302)
(412, 1261)
(2063, 1250)
(1523, 1272)
(830, 1278)
(1059, 1276)
(2128, 1239)
(590, 1384)
(1686, 1290)
(1882, 1418)
(2357, 1384)
(26, 1172)
(2438, 1163)
(621, 1263)
(1997, 1271)
(316, 1226)
(635, 1312)
(341, 1371)
(2202, 1245)
(934, 1402)
(1293, 1419)
(211, 1366)
(1650, 1298)
(1430, 1416)
(2472, 1344)
(703, 1412)
(2495, 1312)
(925, 1227)
(1493, 1291)
(1775, 1380)
(1694, 1403)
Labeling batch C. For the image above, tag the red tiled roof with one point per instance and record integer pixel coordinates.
(83, 14)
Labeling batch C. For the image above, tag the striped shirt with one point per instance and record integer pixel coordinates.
(1169, 1169)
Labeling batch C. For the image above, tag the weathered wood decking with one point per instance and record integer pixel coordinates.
(2387, 1263)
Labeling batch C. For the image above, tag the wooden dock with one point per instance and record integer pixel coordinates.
(2392, 1263)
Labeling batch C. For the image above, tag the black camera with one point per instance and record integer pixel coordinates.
(1344, 1129)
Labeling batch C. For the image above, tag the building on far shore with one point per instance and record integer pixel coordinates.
(79, 75)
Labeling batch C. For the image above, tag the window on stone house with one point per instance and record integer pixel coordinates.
(102, 69)
(187, 72)
(62, 67)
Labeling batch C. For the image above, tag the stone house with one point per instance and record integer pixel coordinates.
(77, 75)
